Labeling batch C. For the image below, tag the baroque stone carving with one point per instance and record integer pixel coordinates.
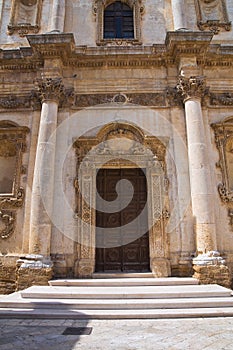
(50, 89)
(143, 99)
(225, 99)
(25, 17)
(8, 219)
(212, 15)
(120, 144)
(192, 87)
(224, 142)
(12, 145)
(13, 101)
(98, 12)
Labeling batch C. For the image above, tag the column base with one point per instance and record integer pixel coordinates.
(31, 270)
(210, 268)
(160, 267)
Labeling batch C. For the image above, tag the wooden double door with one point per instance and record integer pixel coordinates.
(122, 238)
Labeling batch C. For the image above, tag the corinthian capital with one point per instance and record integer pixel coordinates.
(192, 87)
(50, 89)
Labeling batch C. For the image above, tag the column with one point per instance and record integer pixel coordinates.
(50, 91)
(178, 10)
(58, 16)
(208, 261)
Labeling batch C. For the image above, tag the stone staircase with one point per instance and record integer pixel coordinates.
(119, 298)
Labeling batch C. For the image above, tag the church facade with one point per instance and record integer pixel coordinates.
(116, 139)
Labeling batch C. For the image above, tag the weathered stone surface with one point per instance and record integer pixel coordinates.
(211, 274)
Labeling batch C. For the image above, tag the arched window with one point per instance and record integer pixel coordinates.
(118, 21)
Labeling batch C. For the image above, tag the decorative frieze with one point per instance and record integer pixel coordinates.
(192, 87)
(224, 99)
(212, 15)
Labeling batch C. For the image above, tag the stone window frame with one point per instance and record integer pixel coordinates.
(24, 28)
(12, 133)
(98, 11)
(212, 25)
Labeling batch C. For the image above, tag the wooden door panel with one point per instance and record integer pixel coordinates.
(133, 256)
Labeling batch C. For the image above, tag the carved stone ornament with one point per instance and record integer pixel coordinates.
(192, 87)
(143, 99)
(25, 17)
(224, 141)
(12, 145)
(98, 12)
(14, 102)
(212, 15)
(121, 145)
(224, 99)
(50, 89)
(7, 219)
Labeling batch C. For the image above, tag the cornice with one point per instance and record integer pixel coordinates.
(62, 46)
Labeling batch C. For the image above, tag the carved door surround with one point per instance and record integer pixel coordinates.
(121, 145)
(12, 146)
(224, 142)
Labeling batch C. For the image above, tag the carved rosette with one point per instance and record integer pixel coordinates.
(192, 87)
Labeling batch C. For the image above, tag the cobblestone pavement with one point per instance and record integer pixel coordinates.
(173, 334)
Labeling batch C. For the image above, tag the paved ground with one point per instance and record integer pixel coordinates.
(174, 334)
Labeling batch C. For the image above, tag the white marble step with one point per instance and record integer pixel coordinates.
(115, 314)
(126, 292)
(104, 275)
(136, 281)
(16, 301)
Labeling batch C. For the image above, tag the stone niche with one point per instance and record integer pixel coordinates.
(212, 15)
(119, 145)
(25, 17)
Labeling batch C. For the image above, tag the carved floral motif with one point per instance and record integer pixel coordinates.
(192, 87)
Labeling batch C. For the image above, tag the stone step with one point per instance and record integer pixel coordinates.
(115, 314)
(106, 275)
(133, 281)
(119, 304)
(126, 292)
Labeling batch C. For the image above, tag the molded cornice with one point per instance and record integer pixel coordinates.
(62, 46)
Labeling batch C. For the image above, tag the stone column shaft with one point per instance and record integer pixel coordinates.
(43, 182)
(178, 11)
(200, 176)
(57, 16)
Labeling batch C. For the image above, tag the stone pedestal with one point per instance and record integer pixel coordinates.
(32, 270)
